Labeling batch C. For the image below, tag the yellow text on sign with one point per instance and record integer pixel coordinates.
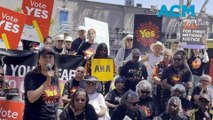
(103, 69)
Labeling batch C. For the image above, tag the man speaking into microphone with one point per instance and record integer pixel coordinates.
(42, 88)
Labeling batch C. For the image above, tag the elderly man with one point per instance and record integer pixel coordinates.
(77, 43)
(59, 44)
(72, 85)
(133, 71)
(204, 111)
(128, 108)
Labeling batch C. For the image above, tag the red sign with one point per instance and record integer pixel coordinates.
(11, 27)
(39, 15)
(11, 110)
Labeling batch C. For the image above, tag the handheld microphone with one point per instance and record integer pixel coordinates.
(49, 66)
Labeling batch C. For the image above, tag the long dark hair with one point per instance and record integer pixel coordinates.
(100, 47)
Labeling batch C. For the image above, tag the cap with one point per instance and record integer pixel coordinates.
(46, 50)
(206, 97)
(81, 28)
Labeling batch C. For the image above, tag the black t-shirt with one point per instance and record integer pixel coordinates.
(88, 114)
(196, 65)
(70, 87)
(113, 97)
(57, 50)
(76, 44)
(186, 105)
(84, 47)
(45, 108)
(165, 116)
(149, 106)
(127, 52)
(196, 91)
(137, 71)
(120, 112)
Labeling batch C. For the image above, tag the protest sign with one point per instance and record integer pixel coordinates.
(147, 30)
(39, 14)
(101, 29)
(11, 110)
(11, 27)
(103, 69)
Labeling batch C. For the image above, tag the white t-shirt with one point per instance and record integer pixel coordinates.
(152, 61)
(96, 100)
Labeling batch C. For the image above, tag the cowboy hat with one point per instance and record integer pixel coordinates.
(158, 43)
(68, 38)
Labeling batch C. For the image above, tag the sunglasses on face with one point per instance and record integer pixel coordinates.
(145, 92)
(78, 100)
(129, 39)
(133, 103)
(60, 41)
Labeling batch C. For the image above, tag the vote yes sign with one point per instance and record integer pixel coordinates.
(39, 16)
(11, 27)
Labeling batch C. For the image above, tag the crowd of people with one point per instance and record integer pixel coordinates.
(165, 84)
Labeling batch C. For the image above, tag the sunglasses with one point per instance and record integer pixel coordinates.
(78, 100)
(90, 83)
(145, 92)
(60, 41)
(177, 59)
(128, 39)
(133, 103)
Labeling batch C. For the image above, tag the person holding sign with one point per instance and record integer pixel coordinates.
(42, 88)
(101, 53)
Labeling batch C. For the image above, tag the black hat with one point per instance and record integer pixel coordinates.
(205, 97)
(46, 50)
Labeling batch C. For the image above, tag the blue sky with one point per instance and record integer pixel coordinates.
(147, 3)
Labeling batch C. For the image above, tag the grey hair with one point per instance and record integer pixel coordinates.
(179, 87)
(180, 112)
(136, 50)
(126, 97)
(207, 77)
(142, 85)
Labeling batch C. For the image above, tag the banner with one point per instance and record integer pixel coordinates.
(194, 33)
(101, 29)
(103, 69)
(147, 30)
(18, 63)
(11, 27)
(39, 14)
(11, 110)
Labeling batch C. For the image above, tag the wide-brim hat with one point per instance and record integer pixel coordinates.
(127, 36)
(91, 79)
(59, 37)
(158, 43)
(68, 38)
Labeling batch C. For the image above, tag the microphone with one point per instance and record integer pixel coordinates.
(48, 66)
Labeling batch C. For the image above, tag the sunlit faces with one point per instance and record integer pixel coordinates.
(80, 72)
(129, 42)
(157, 49)
(68, 44)
(60, 43)
(82, 33)
(45, 59)
(167, 55)
(90, 87)
(196, 51)
(204, 82)
(80, 101)
(48, 42)
(91, 35)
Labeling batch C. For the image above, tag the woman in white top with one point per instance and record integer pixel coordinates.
(154, 57)
(96, 99)
(124, 53)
